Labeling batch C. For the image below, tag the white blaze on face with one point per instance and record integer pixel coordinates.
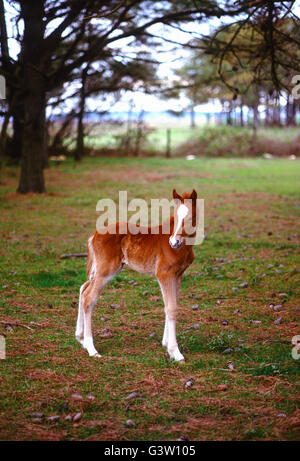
(182, 212)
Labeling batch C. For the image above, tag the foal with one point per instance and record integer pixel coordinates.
(166, 256)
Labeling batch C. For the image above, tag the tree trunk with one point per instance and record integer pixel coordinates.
(255, 117)
(276, 113)
(255, 113)
(267, 118)
(33, 147)
(3, 135)
(293, 112)
(254, 128)
(79, 151)
(287, 111)
(57, 142)
(242, 114)
(3, 138)
(234, 115)
(33, 96)
(228, 114)
(139, 133)
(255, 121)
(3, 32)
(290, 111)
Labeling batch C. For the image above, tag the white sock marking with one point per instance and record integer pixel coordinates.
(173, 350)
(166, 333)
(88, 344)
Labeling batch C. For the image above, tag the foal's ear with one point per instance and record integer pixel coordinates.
(194, 195)
(176, 196)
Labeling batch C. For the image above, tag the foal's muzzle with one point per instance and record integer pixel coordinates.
(175, 243)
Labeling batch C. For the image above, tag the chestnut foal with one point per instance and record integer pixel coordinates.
(166, 256)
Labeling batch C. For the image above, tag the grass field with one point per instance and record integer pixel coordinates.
(252, 212)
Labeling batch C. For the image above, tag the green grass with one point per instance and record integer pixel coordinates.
(252, 234)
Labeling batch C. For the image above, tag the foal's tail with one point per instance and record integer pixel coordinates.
(91, 257)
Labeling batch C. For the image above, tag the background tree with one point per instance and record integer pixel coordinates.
(264, 42)
(196, 79)
(242, 69)
(41, 67)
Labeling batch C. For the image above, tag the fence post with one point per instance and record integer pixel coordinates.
(168, 149)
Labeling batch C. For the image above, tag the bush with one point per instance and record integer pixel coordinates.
(232, 141)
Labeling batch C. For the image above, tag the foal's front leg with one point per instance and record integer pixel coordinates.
(166, 328)
(166, 332)
(169, 289)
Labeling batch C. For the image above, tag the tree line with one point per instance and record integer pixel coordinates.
(69, 49)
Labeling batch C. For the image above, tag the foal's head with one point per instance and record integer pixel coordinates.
(185, 217)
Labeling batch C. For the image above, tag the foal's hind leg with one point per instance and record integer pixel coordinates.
(90, 295)
(165, 335)
(80, 320)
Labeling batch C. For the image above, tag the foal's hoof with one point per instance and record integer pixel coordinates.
(176, 355)
(97, 355)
